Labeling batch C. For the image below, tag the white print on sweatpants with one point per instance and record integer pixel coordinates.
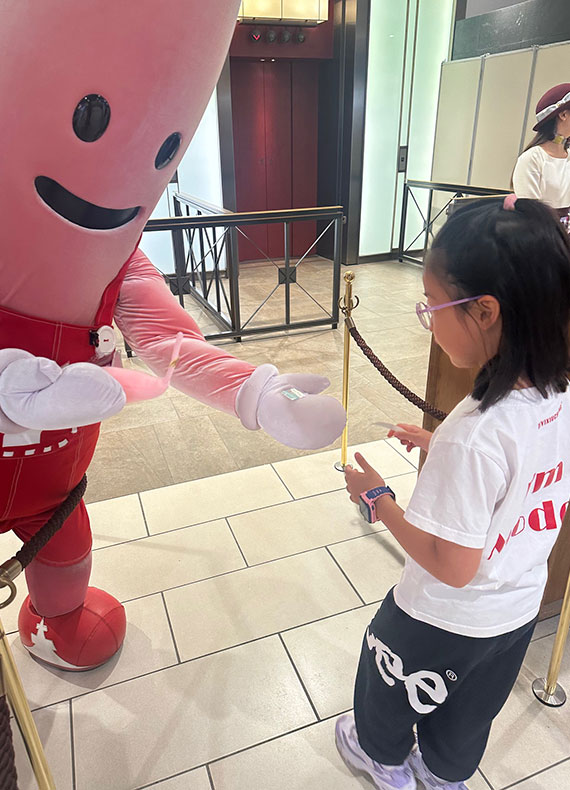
(429, 682)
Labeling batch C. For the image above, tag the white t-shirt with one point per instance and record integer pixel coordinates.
(497, 480)
(542, 177)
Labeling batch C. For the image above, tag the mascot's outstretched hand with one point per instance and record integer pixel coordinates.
(38, 394)
(290, 408)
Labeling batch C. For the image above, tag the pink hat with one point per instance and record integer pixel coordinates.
(551, 103)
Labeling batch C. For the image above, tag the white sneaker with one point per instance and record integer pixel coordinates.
(430, 781)
(384, 777)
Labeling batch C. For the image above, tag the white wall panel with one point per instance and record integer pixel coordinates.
(501, 117)
(455, 118)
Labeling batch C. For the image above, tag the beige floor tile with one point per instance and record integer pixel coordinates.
(298, 526)
(142, 567)
(398, 343)
(168, 722)
(396, 407)
(546, 627)
(304, 760)
(326, 656)
(477, 782)
(316, 474)
(126, 462)
(192, 780)
(373, 563)
(148, 646)
(403, 486)
(257, 602)
(194, 449)
(137, 415)
(413, 457)
(10, 544)
(116, 520)
(557, 778)
(250, 448)
(54, 731)
(215, 497)
(527, 736)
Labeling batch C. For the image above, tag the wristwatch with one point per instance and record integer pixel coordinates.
(368, 502)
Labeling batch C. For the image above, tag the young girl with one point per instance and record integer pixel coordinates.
(445, 648)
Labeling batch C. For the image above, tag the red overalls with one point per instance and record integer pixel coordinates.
(35, 478)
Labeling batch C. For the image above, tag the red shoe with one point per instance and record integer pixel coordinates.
(79, 640)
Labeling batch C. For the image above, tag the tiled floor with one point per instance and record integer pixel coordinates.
(246, 614)
(247, 593)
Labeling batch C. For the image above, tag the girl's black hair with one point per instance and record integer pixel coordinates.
(522, 258)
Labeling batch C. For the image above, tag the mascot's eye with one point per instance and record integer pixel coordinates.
(91, 117)
(168, 150)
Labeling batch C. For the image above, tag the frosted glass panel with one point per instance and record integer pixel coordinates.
(454, 132)
(432, 46)
(434, 25)
(199, 175)
(262, 8)
(158, 246)
(200, 172)
(385, 67)
(552, 68)
(501, 116)
(301, 9)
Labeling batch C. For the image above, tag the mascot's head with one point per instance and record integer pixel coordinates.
(100, 100)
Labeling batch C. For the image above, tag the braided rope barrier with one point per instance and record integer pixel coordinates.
(29, 550)
(8, 777)
(392, 380)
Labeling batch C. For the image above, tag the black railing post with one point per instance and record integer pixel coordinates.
(178, 253)
(233, 275)
(287, 228)
(336, 268)
(428, 220)
(203, 262)
(403, 223)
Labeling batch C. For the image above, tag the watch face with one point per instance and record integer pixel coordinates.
(365, 510)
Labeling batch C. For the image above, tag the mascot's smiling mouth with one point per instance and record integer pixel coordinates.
(80, 211)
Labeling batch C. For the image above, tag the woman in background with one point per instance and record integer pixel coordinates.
(542, 171)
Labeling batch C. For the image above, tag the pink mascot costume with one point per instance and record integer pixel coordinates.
(100, 100)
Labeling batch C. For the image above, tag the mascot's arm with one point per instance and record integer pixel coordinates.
(288, 407)
(149, 318)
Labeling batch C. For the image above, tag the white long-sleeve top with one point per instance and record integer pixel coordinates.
(542, 177)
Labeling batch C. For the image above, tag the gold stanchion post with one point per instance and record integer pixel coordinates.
(346, 305)
(23, 716)
(547, 689)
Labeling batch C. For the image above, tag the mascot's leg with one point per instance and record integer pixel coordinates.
(63, 621)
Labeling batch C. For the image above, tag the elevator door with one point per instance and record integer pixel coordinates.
(275, 117)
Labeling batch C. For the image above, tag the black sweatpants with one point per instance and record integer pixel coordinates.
(451, 686)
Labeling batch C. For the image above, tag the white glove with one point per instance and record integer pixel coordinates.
(290, 408)
(37, 394)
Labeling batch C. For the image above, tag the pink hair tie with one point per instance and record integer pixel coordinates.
(509, 202)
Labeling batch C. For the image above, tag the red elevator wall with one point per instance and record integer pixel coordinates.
(275, 125)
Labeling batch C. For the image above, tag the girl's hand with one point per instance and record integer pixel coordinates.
(358, 482)
(412, 436)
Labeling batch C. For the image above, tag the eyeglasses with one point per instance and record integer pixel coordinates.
(424, 312)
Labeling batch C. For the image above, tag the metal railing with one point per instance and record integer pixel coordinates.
(207, 268)
(455, 190)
